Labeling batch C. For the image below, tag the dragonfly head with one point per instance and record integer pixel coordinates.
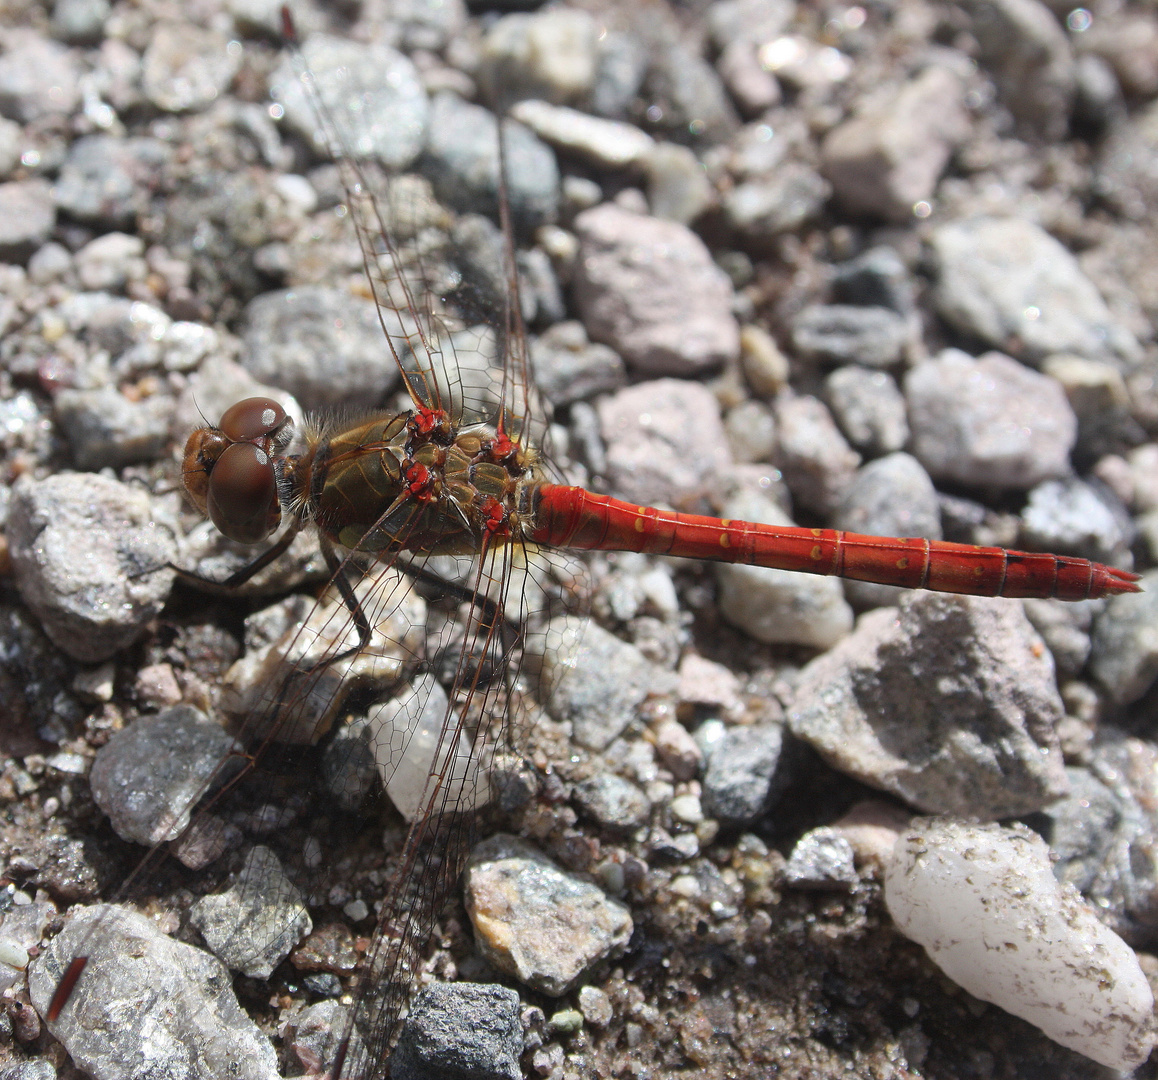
(230, 471)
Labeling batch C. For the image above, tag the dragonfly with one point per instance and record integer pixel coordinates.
(402, 498)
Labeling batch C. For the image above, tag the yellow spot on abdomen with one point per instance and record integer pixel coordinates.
(639, 524)
(902, 564)
(725, 540)
(816, 553)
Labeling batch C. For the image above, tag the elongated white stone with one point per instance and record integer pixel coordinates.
(983, 902)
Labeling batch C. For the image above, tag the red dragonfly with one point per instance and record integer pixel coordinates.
(456, 473)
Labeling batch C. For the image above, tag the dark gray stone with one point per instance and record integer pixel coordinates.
(744, 773)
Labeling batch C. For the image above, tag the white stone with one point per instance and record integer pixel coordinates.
(984, 903)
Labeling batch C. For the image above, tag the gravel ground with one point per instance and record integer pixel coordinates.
(877, 268)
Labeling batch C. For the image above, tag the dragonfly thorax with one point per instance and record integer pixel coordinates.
(413, 481)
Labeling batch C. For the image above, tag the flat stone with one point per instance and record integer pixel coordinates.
(949, 702)
(146, 1004)
(253, 926)
(846, 333)
(607, 144)
(535, 922)
(988, 421)
(650, 290)
(1008, 282)
(148, 776)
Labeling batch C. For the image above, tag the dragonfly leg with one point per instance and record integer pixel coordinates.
(240, 577)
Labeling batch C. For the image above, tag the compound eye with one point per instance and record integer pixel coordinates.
(202, 451)
(242, 498)
(253, 418)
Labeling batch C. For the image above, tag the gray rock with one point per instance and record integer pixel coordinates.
(595, 681)
(869, 408)
(27, 217)
(779, 606)
(552, 55)
(1071, 517)
(569, 368)
(1065, 628)
(105, 180)
(821, 859)
(612, 801)
(1011, 284)
(11, 145)
(1127, 174)
(606, 144)
(1124, 656)
(1098, 103)
(29, 1070)
(650, 290)
(846, 334)
(372, 93)
(677, 187)
(148, 776)
(323, 345)
(665, 441)
(744, 773)
(748, 20)
(531, 920)
(186, 67)
(753, 87)
(253, 925)
(876, 278)
(765, 207)
(147, 1005)
(818, 465)
(949, 703)
(39, 78)
(79, 22)
(461, 161)
(91, 606)
(891, 153)
(621, 67)
(110, 261)
(1028, 54)
(318, 1028)
(892, 496)
(989, 422)
(689, 92)
(461, 1031)
(107, 430)
(751, 431)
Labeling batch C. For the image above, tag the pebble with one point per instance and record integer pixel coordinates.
(678, 752)
(688, 94)
(29, 1070)
(665, 441)
(877, 277)
(253, 925)
(817, 464)
(1008, 282)
(39, 78)
(1143, 461)
(872, 827)
(537, 923)
(466, 1031)
(891, 153)
(386, 120)
(779, 606)
(988, 421)
(552, 54)
(753, 89)
(605, 144)
(107, 430)
(751, 430)
(595, 1006)
(323, 345)
(1071, 517)
(678, 189)
(80, 22)
(107, 180)
(705, 683)
(11, 144)
(804, 64)
(110, 261)
(869, 408)
(744, 773)
(765, 207)
(1128, 42)
(596, 681)
(147, 777)
(461, 161)
(186, 67)
(1027, 54)
(134, 970)
(765, 366)
(983, 902)
(1065, 629)
(1124, 653)
(847, 334)
(569, 368)
(612, 801)
(91, 606)
(821, 859)
(650, 290)
(27, 217)
(318, 1030)
(948, 702)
